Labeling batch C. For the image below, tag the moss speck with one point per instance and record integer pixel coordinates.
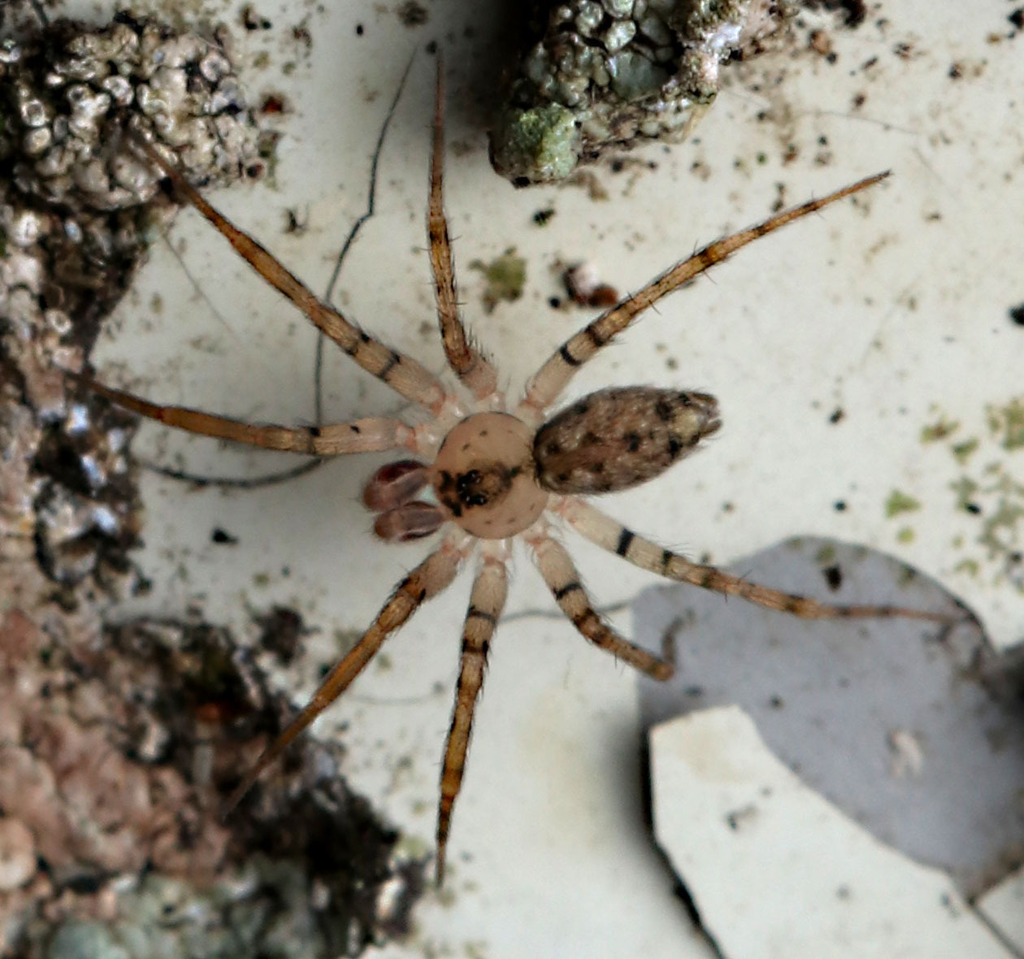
(962, 451)
(899, 502)
(1007, 423)
(505, 276)
(969, 566)
(938, 430)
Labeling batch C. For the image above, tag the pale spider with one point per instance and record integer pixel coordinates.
(497, 470)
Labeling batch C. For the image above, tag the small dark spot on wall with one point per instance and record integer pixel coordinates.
(853, 12)
(412, 14)
(252, 20)
(273, 103)
(281, 631)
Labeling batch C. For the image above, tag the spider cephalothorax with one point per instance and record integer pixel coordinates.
(493, 471)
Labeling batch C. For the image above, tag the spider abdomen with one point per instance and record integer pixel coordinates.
(617, 438)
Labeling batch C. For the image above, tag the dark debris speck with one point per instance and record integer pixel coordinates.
(281, 631)
(833, 576)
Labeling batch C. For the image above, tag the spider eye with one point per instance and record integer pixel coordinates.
(469, 486)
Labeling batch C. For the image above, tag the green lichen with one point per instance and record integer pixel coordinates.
(964, 489)
(542, 143)
(1007, 424)
(971, 567)
(899, 502)
(703, 16)
(505, 276)
(1000, 534)
(905, 535)
(997, 501)
(171, 919)
(938, 430)
(962, 451)
(634, 77)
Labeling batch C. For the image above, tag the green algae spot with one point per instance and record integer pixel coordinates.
(962, 451)
(969, 566)
(964, 489)
(1007, 424)
(899, 502)
(938, 430)
(1000, 534)
(505, 276)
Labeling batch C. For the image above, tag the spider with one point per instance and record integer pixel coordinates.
(483, 471)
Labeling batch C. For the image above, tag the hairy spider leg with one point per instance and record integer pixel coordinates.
(472, 368)
(373, 434)
(428, 579)
(611, 535)
(486, 602)
(402, 373)
(563, 579)
(549, 381)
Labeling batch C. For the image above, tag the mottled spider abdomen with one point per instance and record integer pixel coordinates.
(617, 438)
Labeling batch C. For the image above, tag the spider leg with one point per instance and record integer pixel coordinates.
(428, 579)
(402, 373)
(553, 376)
(370, 435)
(485, 605)
(559, 572)
(616, 538)
(468, 363)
